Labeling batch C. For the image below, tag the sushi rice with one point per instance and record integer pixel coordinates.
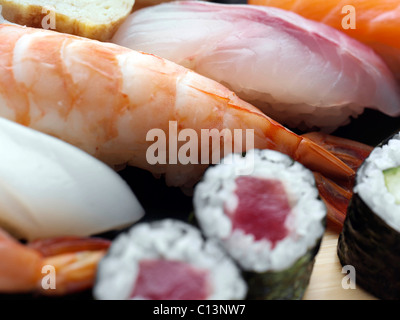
(167, 239)
(305, 222)
(215, 195)
(371, 183)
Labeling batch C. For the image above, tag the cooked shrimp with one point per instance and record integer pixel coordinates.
(23, 267)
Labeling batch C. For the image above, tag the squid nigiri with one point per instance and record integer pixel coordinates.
(374, 22)
(299, 72)
(49, 188)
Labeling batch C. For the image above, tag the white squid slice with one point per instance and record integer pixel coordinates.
(49, 188)
(299, 72)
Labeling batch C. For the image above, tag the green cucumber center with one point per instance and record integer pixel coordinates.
(392, 181)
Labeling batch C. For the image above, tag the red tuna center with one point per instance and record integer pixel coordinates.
(263, 207)
(170, 280)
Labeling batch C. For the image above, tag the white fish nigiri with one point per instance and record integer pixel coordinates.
(299, 72)
(49, 188)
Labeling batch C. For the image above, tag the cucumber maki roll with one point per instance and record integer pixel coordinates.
(270, 220)
(167, 260)
(370, 238)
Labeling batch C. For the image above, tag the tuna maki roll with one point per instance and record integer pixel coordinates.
(370, 238)
(269, 220)
(167, 260)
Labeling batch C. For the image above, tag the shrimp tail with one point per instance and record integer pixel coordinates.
(337, 194)
(75, 272)
(311, 153)
(336, 199)
(318, 158)
(351, 152)
(50, 267)
(61, 245)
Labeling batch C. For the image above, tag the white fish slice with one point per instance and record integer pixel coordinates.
(299, 72)
(49, 188)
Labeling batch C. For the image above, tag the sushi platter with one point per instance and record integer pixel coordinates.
(199, 150)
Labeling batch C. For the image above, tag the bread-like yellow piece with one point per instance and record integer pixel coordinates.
(95, 19)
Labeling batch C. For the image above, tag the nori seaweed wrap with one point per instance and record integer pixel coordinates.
(269, 219)
(370, 238)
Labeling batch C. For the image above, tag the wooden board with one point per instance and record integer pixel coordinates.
(327, 276)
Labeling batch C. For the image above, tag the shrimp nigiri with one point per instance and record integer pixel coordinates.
(27, 268)
(299, 72)
(104, 99)
(375, 22)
